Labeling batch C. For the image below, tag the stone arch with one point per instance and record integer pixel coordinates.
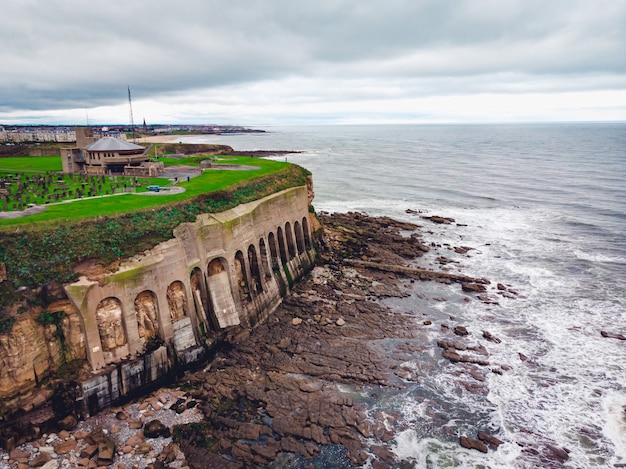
(255, 272)
(110, 324)
(299, 237)
(290, 244)
(216, 266)
(242, 277)
(265, 260)
(146, 311)
(307, 234)
(177, 300)
(271, 240)
(281, 246)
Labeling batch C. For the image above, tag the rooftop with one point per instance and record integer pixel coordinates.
(113, 144)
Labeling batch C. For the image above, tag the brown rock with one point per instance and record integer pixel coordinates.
(155, 429)
(384, 453)
(135, 425)
(88, 451)
(460, 330)
(491, 440)
(143, 448)
(473, 443)
(40, 459)
(96, 436)
(121, 415)
(68, 423)
(65, 447)
(135, 440)
(19, 455)
(473, 287)
(106, 452)
(487, 335)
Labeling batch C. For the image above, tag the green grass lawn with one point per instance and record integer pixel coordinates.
(32, 163)
(208, 181)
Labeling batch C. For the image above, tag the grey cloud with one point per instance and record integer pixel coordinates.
(73, 54)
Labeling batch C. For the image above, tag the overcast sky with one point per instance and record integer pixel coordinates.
(277, 62)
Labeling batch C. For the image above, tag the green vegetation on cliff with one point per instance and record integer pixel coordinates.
(47, 247)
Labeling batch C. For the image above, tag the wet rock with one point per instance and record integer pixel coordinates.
(558, 453)
(490, 337)
(491, 440)
(473, 287)
(612, 335)
(473, 443)
(121, 415)
(439, 220)
(460, 330)
(488, 300)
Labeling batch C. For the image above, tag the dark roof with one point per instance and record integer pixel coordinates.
(113, 144)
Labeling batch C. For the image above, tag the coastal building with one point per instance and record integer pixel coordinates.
(107, 155)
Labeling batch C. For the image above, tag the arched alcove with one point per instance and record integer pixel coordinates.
(146, 311)
(110, 324)
(299, 237)
(290, 244)
(242, 277)
(200, 296)
(271, 240)
(177, 300)
(307, 234)
(265, 259)
(253, 262)
(281, 246)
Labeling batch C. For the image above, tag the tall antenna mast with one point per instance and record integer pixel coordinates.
(132, 121)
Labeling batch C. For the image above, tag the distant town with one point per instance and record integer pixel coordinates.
(12, 134)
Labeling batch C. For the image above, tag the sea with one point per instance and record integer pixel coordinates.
(543, 207)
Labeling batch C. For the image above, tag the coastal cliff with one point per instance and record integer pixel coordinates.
(138, 323)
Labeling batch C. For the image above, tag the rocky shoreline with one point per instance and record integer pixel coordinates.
(298, 388)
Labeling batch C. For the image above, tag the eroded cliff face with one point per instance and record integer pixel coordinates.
(24, 357)
(33, 352)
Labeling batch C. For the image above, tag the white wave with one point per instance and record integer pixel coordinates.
(597, 257)
(432, 453)
(614, 428)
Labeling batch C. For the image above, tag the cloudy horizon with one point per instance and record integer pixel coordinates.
(259, 63)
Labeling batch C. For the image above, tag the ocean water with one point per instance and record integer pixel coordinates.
(544, 208)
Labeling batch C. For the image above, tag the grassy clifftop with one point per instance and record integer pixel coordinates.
(44, 250)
